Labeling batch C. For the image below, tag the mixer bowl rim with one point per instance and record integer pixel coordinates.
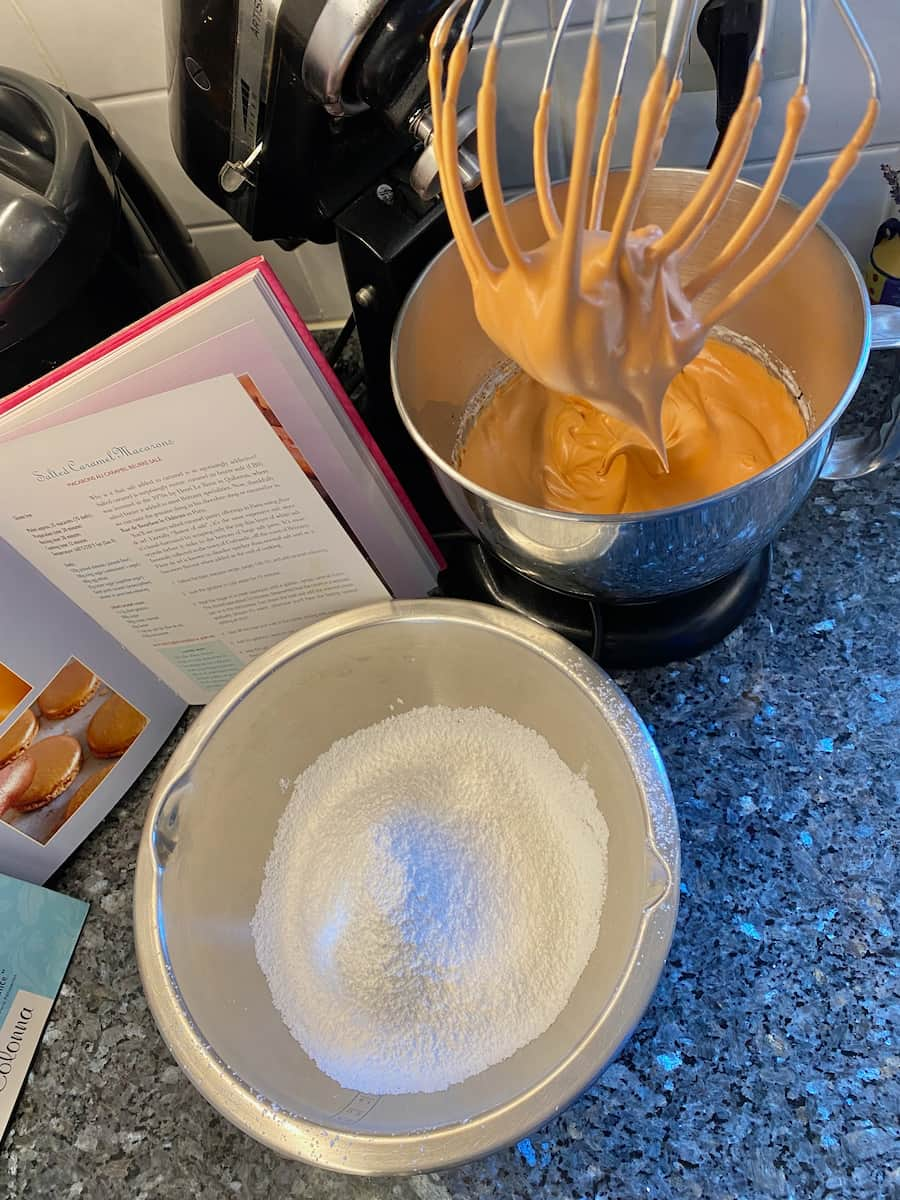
(634, 518)
(411, 1153)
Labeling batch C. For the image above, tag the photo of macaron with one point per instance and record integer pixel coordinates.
(57, 761)
(18, 737)
(114, 726)
(87, 789)
(15, 780)
(68, 692)
(63, 747)
(13, 690)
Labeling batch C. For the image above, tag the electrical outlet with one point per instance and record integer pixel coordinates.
(782, 57)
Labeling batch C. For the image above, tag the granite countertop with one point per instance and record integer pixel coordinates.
(768, 1063)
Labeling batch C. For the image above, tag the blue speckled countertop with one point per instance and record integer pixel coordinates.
(768, 1064)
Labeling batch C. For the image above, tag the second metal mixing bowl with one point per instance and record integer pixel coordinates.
(211, 825)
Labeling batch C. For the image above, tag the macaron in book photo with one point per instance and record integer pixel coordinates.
(80, 718)
(173, 503)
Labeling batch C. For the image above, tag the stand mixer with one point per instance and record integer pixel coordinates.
(309, 120)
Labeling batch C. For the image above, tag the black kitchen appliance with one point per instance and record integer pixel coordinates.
(309, 120)
(87, 242)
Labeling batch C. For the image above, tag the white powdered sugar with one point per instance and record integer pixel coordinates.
(432, 897)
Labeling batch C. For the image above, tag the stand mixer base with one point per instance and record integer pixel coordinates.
(646, 634)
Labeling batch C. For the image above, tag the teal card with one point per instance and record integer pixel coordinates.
(38, 932)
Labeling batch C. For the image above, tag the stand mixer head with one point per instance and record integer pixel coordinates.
(284, 111)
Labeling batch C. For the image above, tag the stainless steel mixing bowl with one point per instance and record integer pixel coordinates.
(210, 828)
(813, 315)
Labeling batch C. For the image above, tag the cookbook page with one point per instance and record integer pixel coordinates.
(80, 718)
(360, 495)
(186, 523)
(238, 324)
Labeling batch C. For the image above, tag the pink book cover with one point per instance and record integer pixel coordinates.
(181, 303)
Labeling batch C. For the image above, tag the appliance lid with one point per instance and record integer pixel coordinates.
(58, 204)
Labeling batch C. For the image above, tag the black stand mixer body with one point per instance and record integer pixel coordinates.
(307, 120)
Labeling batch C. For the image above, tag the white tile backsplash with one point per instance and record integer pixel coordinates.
(519, 83)
(224, 245)
(20, 48)
(568, 82)
(525, 16)
(143, 122)
(859, 207)
(837, 92)
(322, 266)
(102, 47)
(312, 275)
(112, 50)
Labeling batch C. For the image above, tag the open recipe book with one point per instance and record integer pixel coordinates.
(172, 504)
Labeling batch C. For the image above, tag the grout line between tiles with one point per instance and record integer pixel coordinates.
(825, 155)
(119, 97)
(40, 45)
(647, 18)
(214, 226)
(512, 39)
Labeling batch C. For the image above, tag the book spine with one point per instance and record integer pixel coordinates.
(285, 304)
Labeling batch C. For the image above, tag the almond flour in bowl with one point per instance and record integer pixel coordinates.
(431, 899)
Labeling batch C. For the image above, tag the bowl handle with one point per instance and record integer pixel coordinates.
(164, 833)
(851, 457)
(658, 882)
